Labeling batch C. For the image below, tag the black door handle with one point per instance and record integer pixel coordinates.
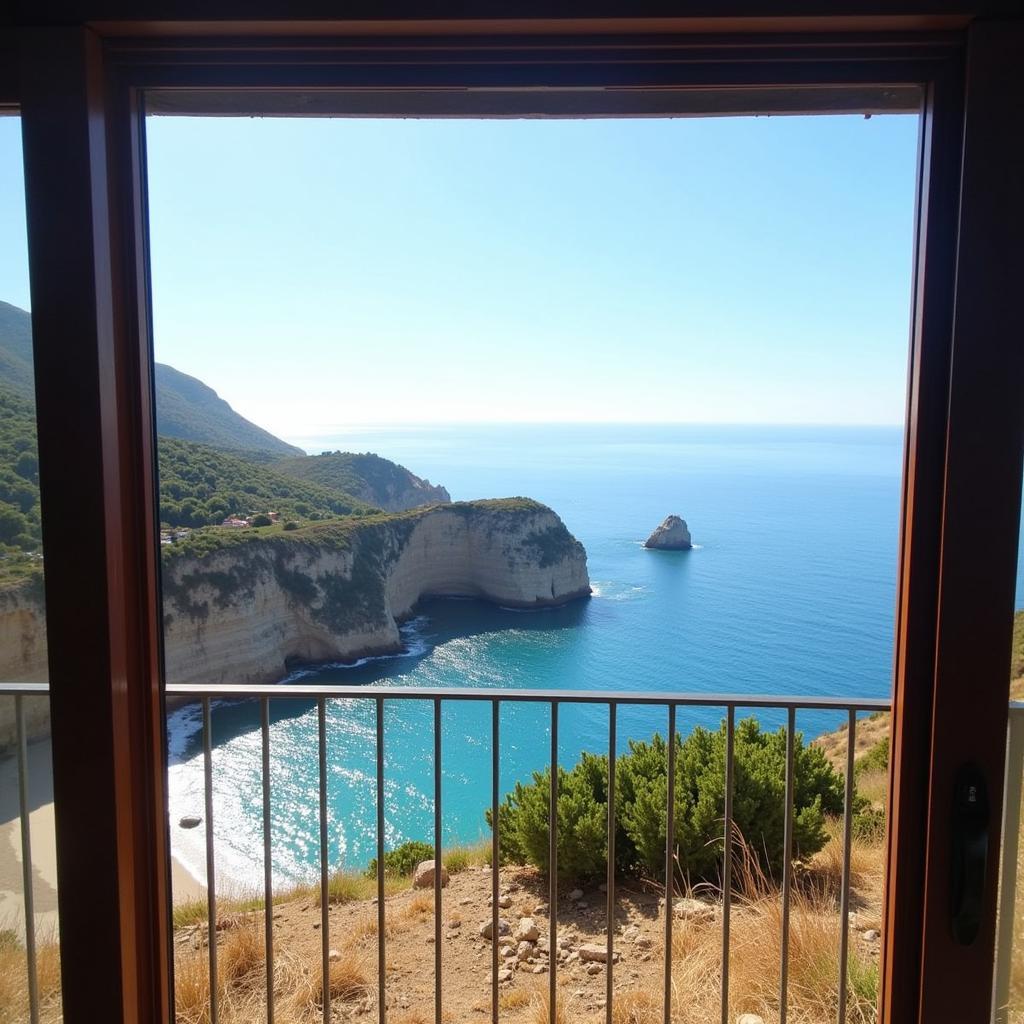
(970, 822)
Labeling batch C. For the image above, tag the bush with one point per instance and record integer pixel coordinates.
(290, 525)
(641, 793)
(260, 520)
(582, 819)
(876, 758)
(403, 859)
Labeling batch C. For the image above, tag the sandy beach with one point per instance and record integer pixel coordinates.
(44, 853)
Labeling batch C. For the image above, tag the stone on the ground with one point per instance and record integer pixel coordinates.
(423, 878)
(504, 974)
(504, 901)
(503, 927)
(524, 950)
(693, 910)
(454, 923)
(540, 910)
(591, 952)
(871, 935)
(190, 821)
(749, 1018)
(576, 894)
(643, 942)
(539, 969)
(631, 934)
(526, 930)
(593, 968)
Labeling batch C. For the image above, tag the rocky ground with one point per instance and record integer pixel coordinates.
(525, 958)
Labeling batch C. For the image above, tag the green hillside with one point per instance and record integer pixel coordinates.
(212, 462)
(185, 407)
(200, 486)
(375, 480)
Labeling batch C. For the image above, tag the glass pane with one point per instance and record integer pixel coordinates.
(22, 628)
(670, 357)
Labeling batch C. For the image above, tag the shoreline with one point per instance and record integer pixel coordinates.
(185, 887)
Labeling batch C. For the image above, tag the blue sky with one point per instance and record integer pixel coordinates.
(320, 273)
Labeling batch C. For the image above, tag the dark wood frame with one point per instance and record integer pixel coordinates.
(81, 100)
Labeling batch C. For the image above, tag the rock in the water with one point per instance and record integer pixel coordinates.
(190, 821)
(503, 927)
(424, 876)
(672, 535)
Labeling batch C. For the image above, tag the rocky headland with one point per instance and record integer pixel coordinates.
(258, 605)
(246, 606)
(672, 535)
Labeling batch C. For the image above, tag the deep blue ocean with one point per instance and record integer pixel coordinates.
(790, 589)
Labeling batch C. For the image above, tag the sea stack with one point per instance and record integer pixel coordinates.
(672, 535)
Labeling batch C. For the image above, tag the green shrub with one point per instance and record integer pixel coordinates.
(456, 861)
(641, 795)
(261, 520)
(868, 821)
(876, 758)
(290, 525)
(403, 859)
(582, 821)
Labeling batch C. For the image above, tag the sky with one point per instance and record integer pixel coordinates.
(324, 273)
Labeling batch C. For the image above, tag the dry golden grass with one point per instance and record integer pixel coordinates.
(513, 999)
(240, 956)
(348, 981)
(14, 979)
(419, 906)
(637, 1007)
(540, 1010)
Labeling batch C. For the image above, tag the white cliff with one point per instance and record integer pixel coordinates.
(245, 613)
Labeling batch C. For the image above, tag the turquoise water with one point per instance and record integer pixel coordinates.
(789, 590)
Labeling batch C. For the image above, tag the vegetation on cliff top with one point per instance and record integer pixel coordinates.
(369, 477)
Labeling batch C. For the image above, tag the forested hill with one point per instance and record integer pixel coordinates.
(188, 409)
(185, 407)
(374, 480)
(213, 463)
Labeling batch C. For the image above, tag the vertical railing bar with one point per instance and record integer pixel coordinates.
(1008, 867)
(844, 899)
(268, 867)
(553, 870)
(381, 1012)
(325, 943)
(26, 863)
(495, 720)
(670, 829)
(211, 874)
(437, 861)
(730, 742)
(610, 882)
(787, 864)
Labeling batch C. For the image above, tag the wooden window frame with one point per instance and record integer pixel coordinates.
(81, 92)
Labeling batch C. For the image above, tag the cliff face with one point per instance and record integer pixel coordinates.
(250, 608)
(245, 613)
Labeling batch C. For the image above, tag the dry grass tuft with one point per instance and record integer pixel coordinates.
(636, 1007)
(14, 979)
(420, 906)
(513, 999)
(240, 957)
(540, 1010)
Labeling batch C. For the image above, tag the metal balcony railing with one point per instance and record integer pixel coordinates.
(321, 695)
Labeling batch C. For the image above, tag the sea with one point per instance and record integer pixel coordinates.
(789, 589)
